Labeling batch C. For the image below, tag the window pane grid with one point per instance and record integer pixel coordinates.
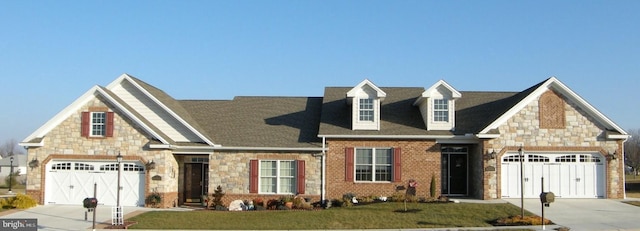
(366, 110)
(373, 164)
(277, 176)
(98, 123)
(440, 110)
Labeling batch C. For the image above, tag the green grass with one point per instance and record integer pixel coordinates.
(632, 186)
(388, 215)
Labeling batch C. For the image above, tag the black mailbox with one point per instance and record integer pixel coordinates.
(90, 202)
(546, 198)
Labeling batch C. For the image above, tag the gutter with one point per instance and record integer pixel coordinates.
(323, 189)
(218, 147)
(419, 137)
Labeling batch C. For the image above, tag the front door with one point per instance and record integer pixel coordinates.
(455, 170)
(196, 181)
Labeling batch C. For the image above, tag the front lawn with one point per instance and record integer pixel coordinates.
(632, 186)
(388, 215)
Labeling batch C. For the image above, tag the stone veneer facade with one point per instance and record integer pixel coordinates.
(230, 170)
(580, 133)
(65, 142)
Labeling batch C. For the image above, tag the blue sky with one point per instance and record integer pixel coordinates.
(51, 52)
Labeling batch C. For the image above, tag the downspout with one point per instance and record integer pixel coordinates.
(624, 171)
(324, 172)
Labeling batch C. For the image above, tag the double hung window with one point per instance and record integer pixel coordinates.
(366, 112)
(98, 123)
(440, 110)
(278, 176)
(373, 164)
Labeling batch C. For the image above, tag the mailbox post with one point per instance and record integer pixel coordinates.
(546, 198)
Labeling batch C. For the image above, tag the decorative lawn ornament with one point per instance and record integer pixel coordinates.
(411, 192)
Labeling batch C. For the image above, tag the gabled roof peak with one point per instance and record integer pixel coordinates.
(361, 86)
(441, 83)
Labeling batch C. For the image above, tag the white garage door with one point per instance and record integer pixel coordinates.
(566, 175)
(69, 182)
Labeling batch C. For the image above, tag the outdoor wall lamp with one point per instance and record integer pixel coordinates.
(34, 163)
(150, 165)
(491, 155)
(613, 155)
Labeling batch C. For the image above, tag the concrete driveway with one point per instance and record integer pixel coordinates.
(68, 217)
(587, 214)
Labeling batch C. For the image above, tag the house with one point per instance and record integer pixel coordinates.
(19, 168)
(362, 139)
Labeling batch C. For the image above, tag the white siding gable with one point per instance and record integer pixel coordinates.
(155, 114)
(365, 101)
(437, 106)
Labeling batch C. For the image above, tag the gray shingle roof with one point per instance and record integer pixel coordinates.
(296, 122)
(259, 121)
(398, 115)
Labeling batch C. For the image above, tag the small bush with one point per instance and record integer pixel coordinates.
(154, 199)
(20, 201)
(518, 220)
(273, 204)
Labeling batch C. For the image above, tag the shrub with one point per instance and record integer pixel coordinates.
(273, 204)
(20, 201)
(217, 197)
(432, 187)
(153, 199)
(518, 220)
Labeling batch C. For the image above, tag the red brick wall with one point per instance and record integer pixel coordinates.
(420, 161)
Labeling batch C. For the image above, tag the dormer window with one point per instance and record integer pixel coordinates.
(437, 106)
(440, 110)
(365, 101)
(366, 112)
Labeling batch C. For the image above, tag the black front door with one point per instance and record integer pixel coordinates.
(195, 181)
(455, 168)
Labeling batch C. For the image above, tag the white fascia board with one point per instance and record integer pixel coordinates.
(590, 109)
(618, 137)
(131, 116)
(354, 91)
(554, 83)
(418, 137)
(62, 115)
(199, 149)
(488, 136)
(454, 93)
(154, 99)
(26, 144)
(427, 93)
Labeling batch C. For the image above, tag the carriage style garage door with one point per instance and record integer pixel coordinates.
(578, 175)
(69, 182)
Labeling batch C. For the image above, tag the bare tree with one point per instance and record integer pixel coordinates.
(9, 148)
(632, 151)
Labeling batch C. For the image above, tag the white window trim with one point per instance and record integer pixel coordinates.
(278, 177)
(373, 164)
(448, 111)
(92, 124)
(366, 124)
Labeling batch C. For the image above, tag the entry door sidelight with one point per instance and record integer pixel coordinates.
(455, 169)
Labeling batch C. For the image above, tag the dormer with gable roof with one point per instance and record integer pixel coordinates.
(437, 106)
(365, 100)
